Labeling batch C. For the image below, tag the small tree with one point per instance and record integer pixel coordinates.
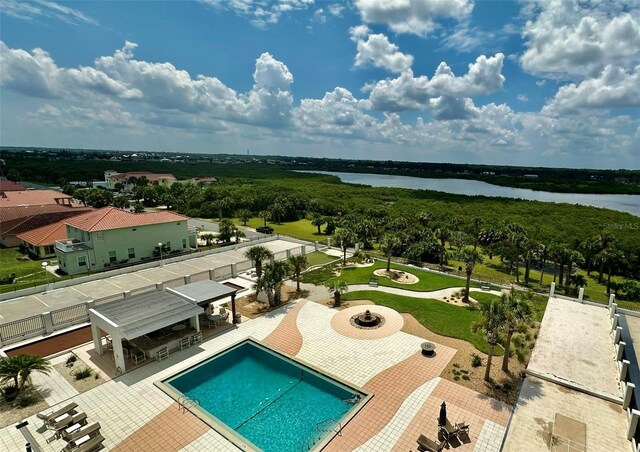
(345, 237)
(244, 215)
(265, 215)
(208, 239)
(238, 234)
(298, 262)
(271, 281)
(517, 311)
(318, 220)
(390, 244)
(471, 258)
(337, 288)
(257, 254)
(490, 322)
(226, 229)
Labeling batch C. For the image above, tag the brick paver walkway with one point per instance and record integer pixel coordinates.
(286, 338)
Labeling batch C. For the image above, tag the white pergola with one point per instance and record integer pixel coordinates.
(138, 315)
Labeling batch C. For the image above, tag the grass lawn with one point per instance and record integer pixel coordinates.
(441, 318)
(29, 273)
(428, 280)
(301, 229)
(319, 258)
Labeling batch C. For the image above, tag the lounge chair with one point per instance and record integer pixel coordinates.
(80, 432)
(78, 418)
(448, 430)
(427, 444)
(92, 444)
(48, 418)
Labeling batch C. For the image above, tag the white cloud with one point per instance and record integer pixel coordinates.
(36, 74)
(407, 92)
(523, 98)
(45, 9)
(261, 12)
(377, 51)
(335, 9)
(412, 16)
(613, 88)
(565, 39)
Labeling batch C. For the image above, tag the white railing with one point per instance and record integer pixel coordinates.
(68, 246)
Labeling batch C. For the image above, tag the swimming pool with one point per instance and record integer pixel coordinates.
(274, 402)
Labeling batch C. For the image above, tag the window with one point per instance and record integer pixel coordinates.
(100, 236)
(132, 253)
(184, 244)
(168, 245)
(48, 249)
(112, 257)
(82, 261)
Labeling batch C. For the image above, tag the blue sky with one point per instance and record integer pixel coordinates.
(547, 82)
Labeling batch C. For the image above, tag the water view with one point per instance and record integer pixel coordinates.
(623, 203)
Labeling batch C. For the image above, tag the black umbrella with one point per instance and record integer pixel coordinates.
(442, 419)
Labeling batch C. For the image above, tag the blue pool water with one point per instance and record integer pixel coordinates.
(274, 403)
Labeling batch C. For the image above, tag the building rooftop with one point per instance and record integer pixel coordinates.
(141, 314)
(113, 218)
(9, 185)
(149, 176)
(207, 290)
(45, 235)
(32, 197)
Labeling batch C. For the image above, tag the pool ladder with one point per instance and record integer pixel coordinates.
(324, 427)
(185, 402)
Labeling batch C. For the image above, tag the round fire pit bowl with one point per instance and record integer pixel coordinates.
(367, 320)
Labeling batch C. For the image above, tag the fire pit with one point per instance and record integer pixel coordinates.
(367, 320)
(428, 348)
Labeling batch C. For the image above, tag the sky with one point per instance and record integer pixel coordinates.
(539, 82)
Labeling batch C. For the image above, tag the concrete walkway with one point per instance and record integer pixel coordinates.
(437, 294)
(53, 387)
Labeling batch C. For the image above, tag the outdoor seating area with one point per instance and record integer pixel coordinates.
(70, 425)
(450, 435)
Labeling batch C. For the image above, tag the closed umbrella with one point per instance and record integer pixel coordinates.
(442, 419)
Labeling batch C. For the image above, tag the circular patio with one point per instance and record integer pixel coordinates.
(341, 322)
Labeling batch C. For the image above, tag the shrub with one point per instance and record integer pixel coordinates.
(476, 361)
(10, 393)
(83, 373)
(466, 377)
(71, 359)
(26, 399)
(456, 378)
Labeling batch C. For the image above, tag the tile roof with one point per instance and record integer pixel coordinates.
(16, 220)
(46, 235)
(113, 218)
(31, 197)
(9, 185)
(150, 176)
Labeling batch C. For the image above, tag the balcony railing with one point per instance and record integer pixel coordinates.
(69, 246)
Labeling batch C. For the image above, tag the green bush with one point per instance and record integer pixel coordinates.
(26, 399)
(83, 373)
(71, 359)
(10, 393)
(476, 361)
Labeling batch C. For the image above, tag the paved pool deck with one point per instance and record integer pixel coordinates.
(406, 386)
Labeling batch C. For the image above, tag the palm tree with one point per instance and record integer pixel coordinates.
(337, 288)
(258, 254)
(345, 237)
(18, 368)
(277, 211)
(298, 262)
(425, 218)
(208, 239)
(238, 234)
(271, 281)
(491, 318)
(476, 223)
(517, 311)
(244, 215)
(318, 220)
(543, 252)
(470, 258)
(265, 215)
(390, 244)
(604, 242)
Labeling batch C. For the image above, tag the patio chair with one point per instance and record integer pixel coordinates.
(162, 353)
(427, 444)
(448, 430)
(138, 356)
(89, 430)
(77, 422)
(196, 338)
(109, 342)
(79, 418)
(48, 418)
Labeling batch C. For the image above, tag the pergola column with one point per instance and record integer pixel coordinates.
(233, 307)
(195, 323)
(118, 354)
(97, 338)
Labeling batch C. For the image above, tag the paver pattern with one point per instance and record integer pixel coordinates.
(392, 322)
(286, 338)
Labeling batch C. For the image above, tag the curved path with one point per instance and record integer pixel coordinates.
(286, 337)
(437, 294)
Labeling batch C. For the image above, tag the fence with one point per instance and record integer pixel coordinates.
(49, 322)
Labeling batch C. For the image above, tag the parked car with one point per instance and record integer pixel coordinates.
(265, 229)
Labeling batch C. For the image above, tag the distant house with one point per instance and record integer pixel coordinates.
(531, 176)
(164, 179)
(40, 242)
(9, 185)
(111, 236)
(33, 198)
(204, 181)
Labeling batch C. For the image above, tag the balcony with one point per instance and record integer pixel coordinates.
(72, 245)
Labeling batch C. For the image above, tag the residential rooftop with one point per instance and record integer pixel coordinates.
(114, 218)
(33, 197)
(45, 235)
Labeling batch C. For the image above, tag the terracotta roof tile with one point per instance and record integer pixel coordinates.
(113, 218)
(9, 185)
(46, 235)
(31, 197)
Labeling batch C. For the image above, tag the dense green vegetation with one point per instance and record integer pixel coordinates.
(440, 317)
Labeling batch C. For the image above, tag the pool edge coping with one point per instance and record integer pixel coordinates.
(231, 435)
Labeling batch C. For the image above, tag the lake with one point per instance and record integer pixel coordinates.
(623, 203)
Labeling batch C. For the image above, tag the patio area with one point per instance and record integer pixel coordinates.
(407, 388)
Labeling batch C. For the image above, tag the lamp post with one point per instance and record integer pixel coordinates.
(160, 246)
(45, 264)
